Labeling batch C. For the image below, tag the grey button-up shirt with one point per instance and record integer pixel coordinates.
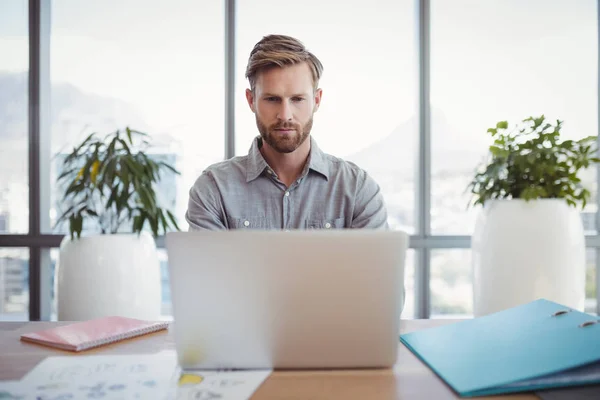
(245, 193)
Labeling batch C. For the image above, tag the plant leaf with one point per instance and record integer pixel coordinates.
(110, 180)
(531, 162)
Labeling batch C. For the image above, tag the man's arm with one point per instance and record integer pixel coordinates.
(369, 208)
(370, 211)
(205, 210)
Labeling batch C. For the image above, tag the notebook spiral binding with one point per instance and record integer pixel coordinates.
(123, 336)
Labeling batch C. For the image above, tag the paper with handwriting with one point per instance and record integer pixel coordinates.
(11, 390)
(120, 377)
(217, 385)
(101, 376)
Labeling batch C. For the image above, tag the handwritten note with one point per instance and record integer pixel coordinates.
(12, 390)
(153, 376)
(106, 377)
(217, 385)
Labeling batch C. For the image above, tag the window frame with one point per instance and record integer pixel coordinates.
(39, 155)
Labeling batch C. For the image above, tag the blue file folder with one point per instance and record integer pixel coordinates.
(538, 345)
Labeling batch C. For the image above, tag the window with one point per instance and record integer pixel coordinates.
(4, 222)
(54, 260)
(158, 69)
(368, 110)
(14, 284)
(167, 305)
(505, 60)
(14, 67)
(590, 281)
(451, 283)
(408, 311)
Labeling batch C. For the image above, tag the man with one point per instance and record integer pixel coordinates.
(285, 181)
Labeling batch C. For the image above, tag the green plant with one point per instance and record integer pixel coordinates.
(111, 180)
(531, 162)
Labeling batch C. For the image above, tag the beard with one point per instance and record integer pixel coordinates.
(284, 143)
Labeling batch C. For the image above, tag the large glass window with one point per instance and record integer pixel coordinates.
(505, 60)
(590, 281)
(166, 303)
(451, 283)
(367, 114)
(157, 68)
(14, 284)
(408, 311)
(14, 67)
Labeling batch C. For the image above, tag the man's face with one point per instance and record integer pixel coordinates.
(284, 101)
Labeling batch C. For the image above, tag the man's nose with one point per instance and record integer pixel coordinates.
(285, 111)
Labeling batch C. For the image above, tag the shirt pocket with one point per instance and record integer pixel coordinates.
(336, 223)
(248, 223)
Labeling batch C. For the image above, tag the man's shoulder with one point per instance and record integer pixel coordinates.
(344, 168)
(231, 170)
(228, 167)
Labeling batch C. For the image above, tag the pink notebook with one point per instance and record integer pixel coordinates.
(97, 332)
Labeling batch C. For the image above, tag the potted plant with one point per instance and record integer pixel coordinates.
(528, 240)
(109, 186)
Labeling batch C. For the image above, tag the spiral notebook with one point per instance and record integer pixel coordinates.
(93, 333)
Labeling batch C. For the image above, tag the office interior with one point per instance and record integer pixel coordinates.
(410, 89)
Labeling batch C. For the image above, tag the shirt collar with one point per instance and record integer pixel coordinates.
(257, 163)
(317, 161)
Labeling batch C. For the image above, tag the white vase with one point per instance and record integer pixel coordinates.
(106, 275)
(523, 251)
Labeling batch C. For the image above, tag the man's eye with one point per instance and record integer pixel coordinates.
(271, 98)
(297, 99)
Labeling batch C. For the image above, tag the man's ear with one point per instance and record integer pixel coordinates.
(318, 97)
(250, 99)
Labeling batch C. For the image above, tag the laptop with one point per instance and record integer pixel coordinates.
(288, 300)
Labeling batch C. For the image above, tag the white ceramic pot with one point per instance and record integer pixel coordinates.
(108, 275)
(523, 251)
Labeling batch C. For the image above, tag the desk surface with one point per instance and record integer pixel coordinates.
(409, 379)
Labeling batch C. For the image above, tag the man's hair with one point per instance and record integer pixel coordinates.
(279, 51)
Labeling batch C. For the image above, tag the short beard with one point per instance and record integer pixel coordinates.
(286, 143)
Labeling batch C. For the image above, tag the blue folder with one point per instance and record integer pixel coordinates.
(538, 345)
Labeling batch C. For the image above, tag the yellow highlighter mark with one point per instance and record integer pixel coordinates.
(190, 379)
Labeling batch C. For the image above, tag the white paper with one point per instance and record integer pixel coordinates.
(121, 377)
(12, 390)
(217, 385)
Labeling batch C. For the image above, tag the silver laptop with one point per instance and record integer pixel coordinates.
(275, 299)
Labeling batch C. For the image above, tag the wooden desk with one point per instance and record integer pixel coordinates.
(409, 379)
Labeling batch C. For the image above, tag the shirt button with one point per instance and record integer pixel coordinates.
(327, 225)
(287, 194)
(246, 223)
